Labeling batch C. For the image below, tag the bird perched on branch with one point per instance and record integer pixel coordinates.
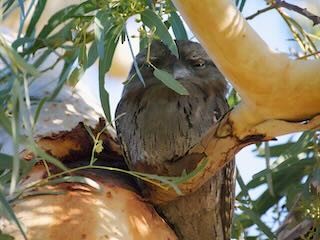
(157, 126)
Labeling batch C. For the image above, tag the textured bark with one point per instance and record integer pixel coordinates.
(207, 213)
(73, 211)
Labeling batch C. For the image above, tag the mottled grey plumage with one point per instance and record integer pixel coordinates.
(159, 125)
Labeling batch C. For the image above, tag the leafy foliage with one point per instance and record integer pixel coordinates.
(287, 182)
(78, 35)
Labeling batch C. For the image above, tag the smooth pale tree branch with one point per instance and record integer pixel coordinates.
(271, 85)
(279, 95)
(220, 146)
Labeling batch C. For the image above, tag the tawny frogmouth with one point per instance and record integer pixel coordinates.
(156, 126)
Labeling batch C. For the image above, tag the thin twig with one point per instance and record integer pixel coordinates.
(136, 67)
(283, 4)
(309, 55)
(261, 11)
(303, 11)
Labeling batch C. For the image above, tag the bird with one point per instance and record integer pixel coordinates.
(157, 126)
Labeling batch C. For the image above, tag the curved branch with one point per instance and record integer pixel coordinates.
(271, 85)
(279, 95)
(220, 145)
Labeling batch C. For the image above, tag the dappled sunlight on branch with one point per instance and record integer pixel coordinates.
(269, 83)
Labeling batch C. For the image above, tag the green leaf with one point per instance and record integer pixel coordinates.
(244, 188)
(187, 176)
(17, 60)
(102, 25)
(6, 237)
(6, 208)
(21, 41)
(39, 152)
(170, 82)
(75, 76)
(104, 95)
(83, 56)
(6, 5)
(38, 10)
(242, 4)
(68, 66)
(5, 121)
(178, 27)
(112, 38)
(143, 43)
(54, 41)
(277, 150)
(38, 110)
(21, 4)
(5, 161)
(282, 181)
(61, 17)
(150, 19)
(92, 54)
(256, 219)
(65, 14)
(41, 59)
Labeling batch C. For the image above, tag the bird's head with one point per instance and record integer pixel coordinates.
(193, 66)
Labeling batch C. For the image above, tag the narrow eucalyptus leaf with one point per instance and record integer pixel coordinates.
(92, 54)
(67, 68)
(40, 60)
(112, 38)
(54, 41)
(39, 152)
(242, 4)
(256, 219)
(104, 95)
(83, 56)
(21, 41)
(75, 76)
(38, 10)
(6, 237)
(178, 27)
(150, 19)
(5, 206)
(143, 43)
(65, 14)
(38, 110)
(6, 5)
(21, 4)
(5, 121)
(5, 161)
(102, 25)
(17, 60)
(170, 82)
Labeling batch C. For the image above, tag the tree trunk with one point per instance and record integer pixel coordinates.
(205, 214)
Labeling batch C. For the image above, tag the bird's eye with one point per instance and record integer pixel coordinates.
(199, 64)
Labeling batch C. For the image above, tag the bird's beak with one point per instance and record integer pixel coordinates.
(180, 71)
